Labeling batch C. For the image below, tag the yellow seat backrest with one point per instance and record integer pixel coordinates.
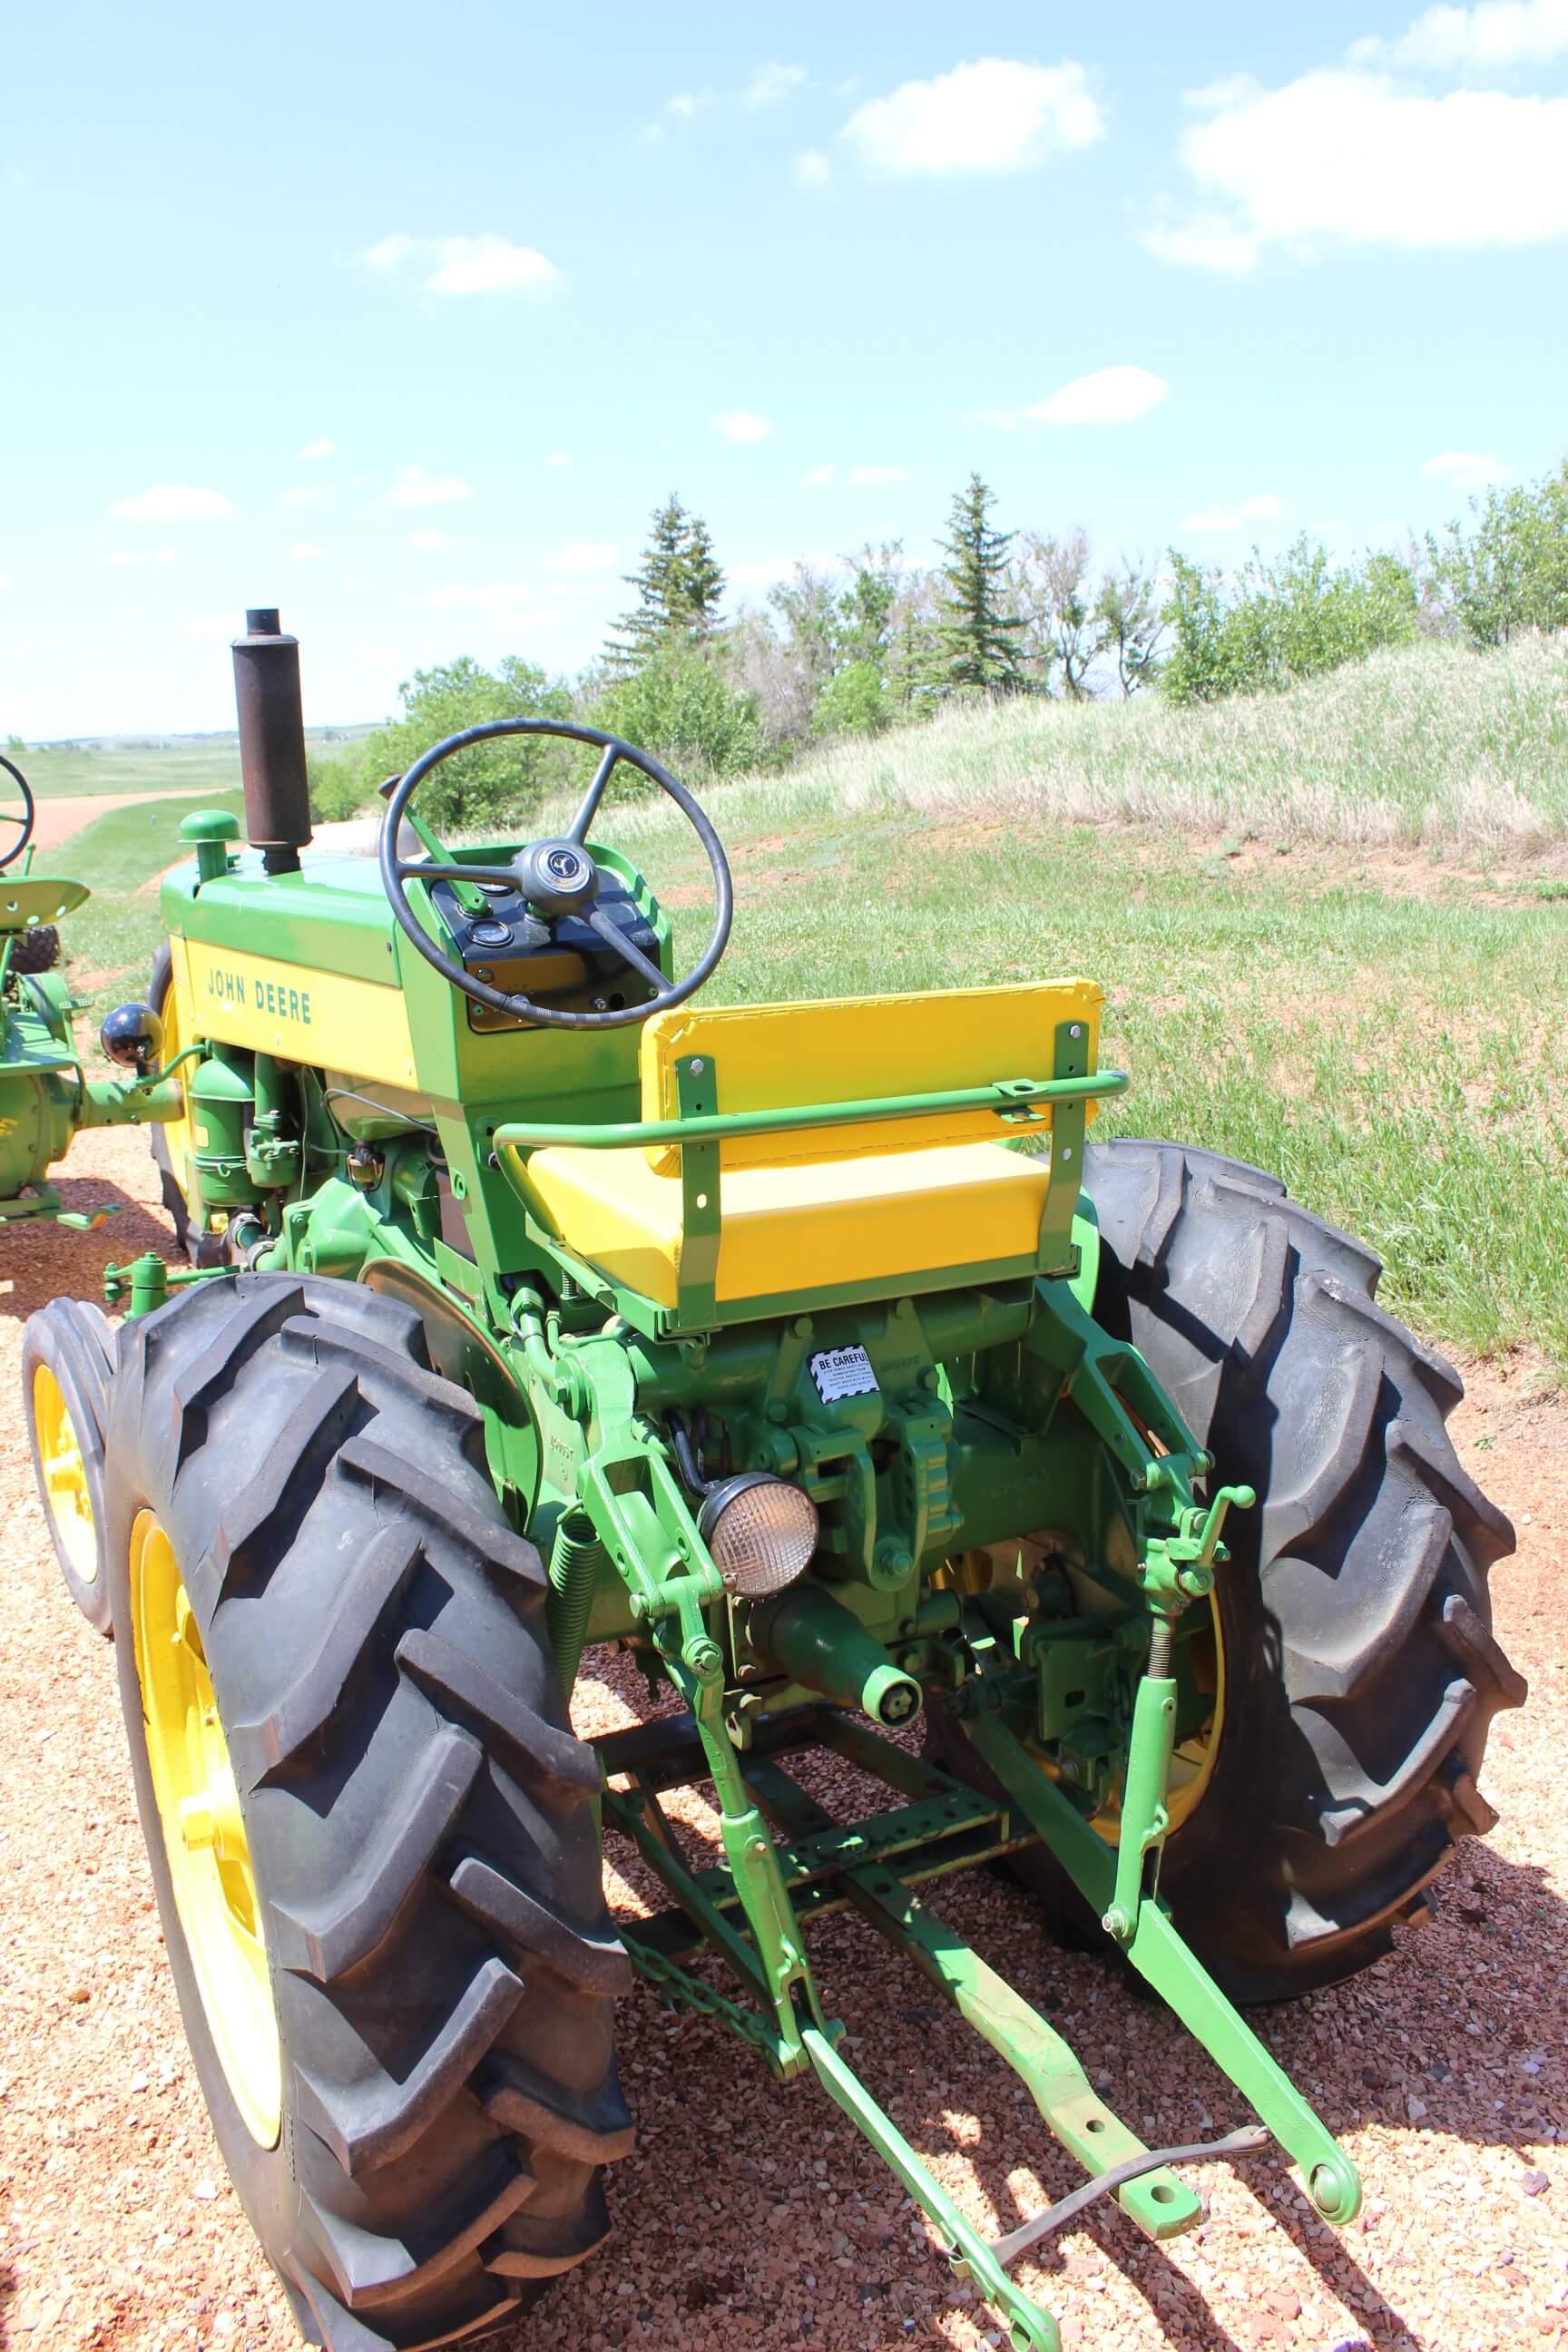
(847, 1049)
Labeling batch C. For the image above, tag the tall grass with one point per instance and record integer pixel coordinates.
(1427, 744)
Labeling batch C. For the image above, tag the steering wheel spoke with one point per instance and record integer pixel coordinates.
(557, 878)
(416, 869)
(628, 952)
(588, 807)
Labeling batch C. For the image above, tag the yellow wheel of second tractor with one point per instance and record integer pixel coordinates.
(67, 1357)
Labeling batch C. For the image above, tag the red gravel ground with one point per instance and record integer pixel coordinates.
(754, 2218)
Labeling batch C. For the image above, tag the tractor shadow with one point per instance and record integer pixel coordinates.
(45, 1260)
(1456, 2039)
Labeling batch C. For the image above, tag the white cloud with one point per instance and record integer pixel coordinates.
(1499, 32)
(819, 475)
(650, 135)
(303, 494)
(1265, 508)
(1112, 395)
(172, 502)
(740, 425)
(1348, 157)
(770, 83)
(322, 448)
(585, 555)
(870, 474)
(995, 115)
(689, 102)
(1206, 241)
(1468, 469)
(558, 458)
(306, 550)
(415, 487)
(124, 557)
(465, 265)
(813, 168)
(431, 542)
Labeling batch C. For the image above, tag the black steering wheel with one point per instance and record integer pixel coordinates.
(557, 876)
(9, 816)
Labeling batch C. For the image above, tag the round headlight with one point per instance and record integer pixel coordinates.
(760, 1531)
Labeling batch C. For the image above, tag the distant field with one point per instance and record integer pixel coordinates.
(182, 764)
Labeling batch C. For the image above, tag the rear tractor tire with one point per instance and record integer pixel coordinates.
(1361, 1673)
(1357, 1672)
(68, 1363)
(370, 1830)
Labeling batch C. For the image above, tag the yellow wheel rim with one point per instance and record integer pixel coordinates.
(66, 1495)
(204, 1832)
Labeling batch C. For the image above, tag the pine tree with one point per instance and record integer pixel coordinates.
(679, 584)
(701, 582)
(977, 636)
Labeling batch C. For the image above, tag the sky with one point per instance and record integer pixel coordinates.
(403, 319)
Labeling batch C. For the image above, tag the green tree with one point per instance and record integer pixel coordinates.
(1281, 622)
(490, 782)
(680, 708)
(977, 635)
(679, 587)
(1509, 572)
(855, 701)
(1128, 614)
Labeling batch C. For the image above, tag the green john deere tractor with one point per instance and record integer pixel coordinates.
(808, 1352)
(45, 1095)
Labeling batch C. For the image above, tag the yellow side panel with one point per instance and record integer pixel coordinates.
(775, 1056)
(319, 1018)
(885, 1217)
(179, 1135)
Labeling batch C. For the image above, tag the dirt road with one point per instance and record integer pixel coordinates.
(754, 2218)
(56, 819)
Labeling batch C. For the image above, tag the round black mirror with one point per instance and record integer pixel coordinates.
(132, 1035)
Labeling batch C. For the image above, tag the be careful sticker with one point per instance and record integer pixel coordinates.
(843, 1373)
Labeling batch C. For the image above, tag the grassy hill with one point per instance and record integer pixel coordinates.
(1428, 744)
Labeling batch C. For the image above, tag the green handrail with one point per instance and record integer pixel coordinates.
(1002, 1096)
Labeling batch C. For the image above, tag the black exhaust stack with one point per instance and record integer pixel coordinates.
(271, 742)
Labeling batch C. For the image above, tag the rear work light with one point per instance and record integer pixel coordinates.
(760, 1531)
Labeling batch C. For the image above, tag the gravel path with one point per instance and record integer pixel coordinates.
(57, 818)
(754, 2218)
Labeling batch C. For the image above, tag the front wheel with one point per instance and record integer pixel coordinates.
(371, 1830)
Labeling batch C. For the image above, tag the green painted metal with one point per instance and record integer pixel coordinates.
(1160, 1956)
(1159, 2203)
(1003, 1095)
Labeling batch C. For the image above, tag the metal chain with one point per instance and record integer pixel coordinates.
(681, 1985)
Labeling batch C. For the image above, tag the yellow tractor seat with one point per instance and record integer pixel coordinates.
(824, 1208)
